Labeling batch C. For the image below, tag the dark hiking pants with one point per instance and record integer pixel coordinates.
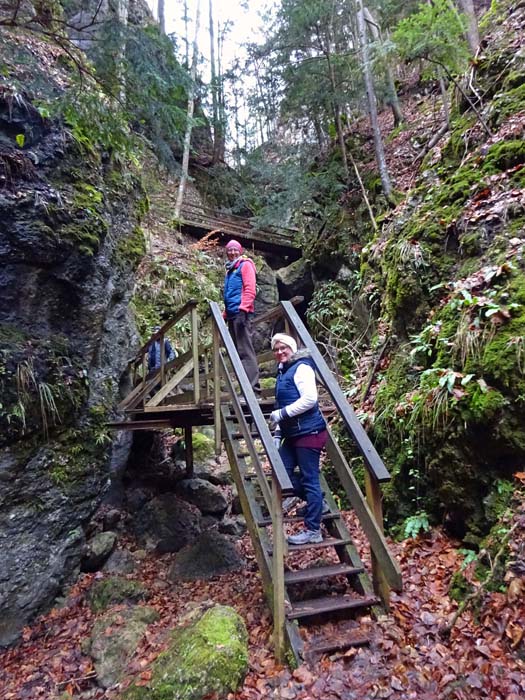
(240, 327)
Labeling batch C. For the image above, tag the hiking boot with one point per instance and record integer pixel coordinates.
(301, 512)
(306, 537)
(290, 503)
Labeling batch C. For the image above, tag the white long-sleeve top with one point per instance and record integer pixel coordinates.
(304, 379)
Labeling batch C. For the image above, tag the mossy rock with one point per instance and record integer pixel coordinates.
(203, 447)
(208, 656)
(114, 639)
(113, 590)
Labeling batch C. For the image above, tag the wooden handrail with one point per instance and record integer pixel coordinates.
(223, 216)
(191, 304)
(276, 464)
(372, 460)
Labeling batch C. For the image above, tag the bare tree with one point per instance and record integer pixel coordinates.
(393, 99)
(372, 105)
(161, 15)
(189, 116)
(467, 7)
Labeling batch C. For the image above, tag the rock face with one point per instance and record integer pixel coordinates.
(208, 656)
(208, 498)
(114, 590)
(167, 523)
(210, 555)
(69, 241)
(98, 550)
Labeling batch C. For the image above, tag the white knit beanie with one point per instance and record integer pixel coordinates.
(285, 340)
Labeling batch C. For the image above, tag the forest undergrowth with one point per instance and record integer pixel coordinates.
(408, 655)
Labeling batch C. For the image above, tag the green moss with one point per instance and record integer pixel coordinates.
(131, 249)
(209, 656)
(86, 235)
(459, 587)
(506, 104)
(504, 155)
(113, 590)
(268, 383)
(203, 447)
(87, 198)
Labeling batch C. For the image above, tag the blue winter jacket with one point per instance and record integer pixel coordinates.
(233, 288)
(286, 392)
(154, 354)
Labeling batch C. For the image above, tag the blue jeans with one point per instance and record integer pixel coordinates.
(305, 481)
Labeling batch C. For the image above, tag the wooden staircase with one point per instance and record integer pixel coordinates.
(305, 585)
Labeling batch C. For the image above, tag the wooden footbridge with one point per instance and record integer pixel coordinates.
(207, 385)
(199, 220)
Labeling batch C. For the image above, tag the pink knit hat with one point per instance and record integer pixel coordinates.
(234, 244)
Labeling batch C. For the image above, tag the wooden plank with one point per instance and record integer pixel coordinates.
(275, 312)
(363, 443)
(195, 353)
(170, 385)
(373, 497)
(327, 542)
(140, 425)
(371, 529)
(258, 473)
(279, 552)
(319, 573)
(188, 444)
(318, 606)
(252, 403)
(337, 645)
(217, 389)
(296, 519)
(347, 554)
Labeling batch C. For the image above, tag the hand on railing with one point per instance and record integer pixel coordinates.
(277, 436)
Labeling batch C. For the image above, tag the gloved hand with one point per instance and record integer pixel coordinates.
(277, 437)
(276, 417)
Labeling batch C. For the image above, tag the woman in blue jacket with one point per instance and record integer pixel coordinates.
(303, 430)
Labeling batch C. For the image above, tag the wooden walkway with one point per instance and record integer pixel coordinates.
(208, 385)
(198, 221)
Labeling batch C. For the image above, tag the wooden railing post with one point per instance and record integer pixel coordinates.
(162, 360)
(373, 497)
(279, 552)
(188, 445)
(207, 373)
(195, 347)
(216, 388)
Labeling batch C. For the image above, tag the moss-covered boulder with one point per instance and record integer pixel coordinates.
(209, 655)
(114, 639)
(112, 590)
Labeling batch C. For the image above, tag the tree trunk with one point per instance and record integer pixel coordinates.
(392, 99)
(122, 17)
(161, 15)
(186, 33)
(467, 7)
(214, 86)
(335, 103)
(372, 105)
(189, 117)
(221, 102)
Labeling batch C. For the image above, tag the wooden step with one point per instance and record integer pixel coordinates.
(334, 645)
(317, 606)
(327, 542)
(321, 572)
(291, 519)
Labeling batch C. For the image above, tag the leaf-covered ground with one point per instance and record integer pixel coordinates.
(408, 656)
